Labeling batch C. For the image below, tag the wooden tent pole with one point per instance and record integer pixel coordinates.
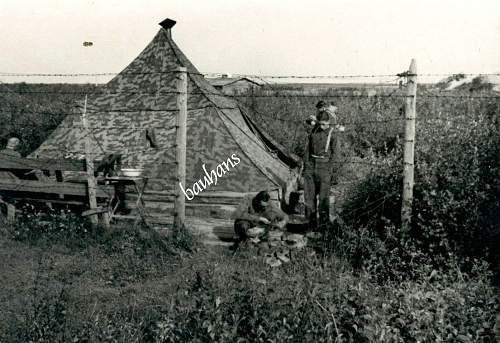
(409, 147)
(181, 130)
(90, 166)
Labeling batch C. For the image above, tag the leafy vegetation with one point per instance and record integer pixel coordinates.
(363, 280)
(101, 295)
(32, 111)
(457, 195)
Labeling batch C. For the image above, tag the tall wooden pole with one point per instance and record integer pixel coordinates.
(409, 147)
(90, 165)
(180, 201)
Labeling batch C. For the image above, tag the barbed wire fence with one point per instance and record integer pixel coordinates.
(371, 115)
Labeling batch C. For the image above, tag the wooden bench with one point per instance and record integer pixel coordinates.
(52, 189)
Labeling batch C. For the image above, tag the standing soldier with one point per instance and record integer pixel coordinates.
(320, 162)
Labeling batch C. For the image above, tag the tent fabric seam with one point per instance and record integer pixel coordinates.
(242, 149)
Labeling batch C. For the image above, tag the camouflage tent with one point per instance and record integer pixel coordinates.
(135, 114)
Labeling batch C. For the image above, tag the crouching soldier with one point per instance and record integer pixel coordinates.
(9, 153)
(320, 169)
(255, 214)
(12, 146)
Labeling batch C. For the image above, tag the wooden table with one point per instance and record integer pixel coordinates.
(139, 184)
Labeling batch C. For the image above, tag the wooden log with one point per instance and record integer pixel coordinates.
(409, 147)
(102, 213)
(59, 178)
(3, 219)
(90, 166)
(105, 219)
(19, 163)
(66, 188)
(180, 201)
(93, 211)
(227, 198)
(11, 213)
(63, 202)
(200, 210)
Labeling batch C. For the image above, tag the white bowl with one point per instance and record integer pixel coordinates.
(275, 235)
(129, 172)
(255, 231)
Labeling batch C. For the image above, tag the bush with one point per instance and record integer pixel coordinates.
(41, 226)
(457, 192)
(231, 298)
(381, 284)
(45, 228)
(315, 301)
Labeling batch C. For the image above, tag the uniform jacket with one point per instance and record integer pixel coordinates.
(318, 144)
(246, 211)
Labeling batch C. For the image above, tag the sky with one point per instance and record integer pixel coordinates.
(256, 37)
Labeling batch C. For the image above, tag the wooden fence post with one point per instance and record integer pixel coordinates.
(409, 147)
(11, 213)
(89, 160)
(181, 130)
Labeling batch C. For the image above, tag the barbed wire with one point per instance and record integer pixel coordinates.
(326, 96)
(292, 120)
(367, 208)
(270, 94)
(61, 163)
(138, 128)
(257, 76)
(344, 76)
(124, 150)
(371, 210)
(111, 111)
(278, 95)
(383, 199)
(343, 123)
(78, 162)
(461, 96)
(173, 71)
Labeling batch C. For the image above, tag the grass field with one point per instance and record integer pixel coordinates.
(128, 287)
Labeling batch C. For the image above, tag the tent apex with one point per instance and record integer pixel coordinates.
(167, 24)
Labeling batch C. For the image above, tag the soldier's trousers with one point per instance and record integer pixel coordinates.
(317, 179)
(241, 227)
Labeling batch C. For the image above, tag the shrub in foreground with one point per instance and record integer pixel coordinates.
(456, 195)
